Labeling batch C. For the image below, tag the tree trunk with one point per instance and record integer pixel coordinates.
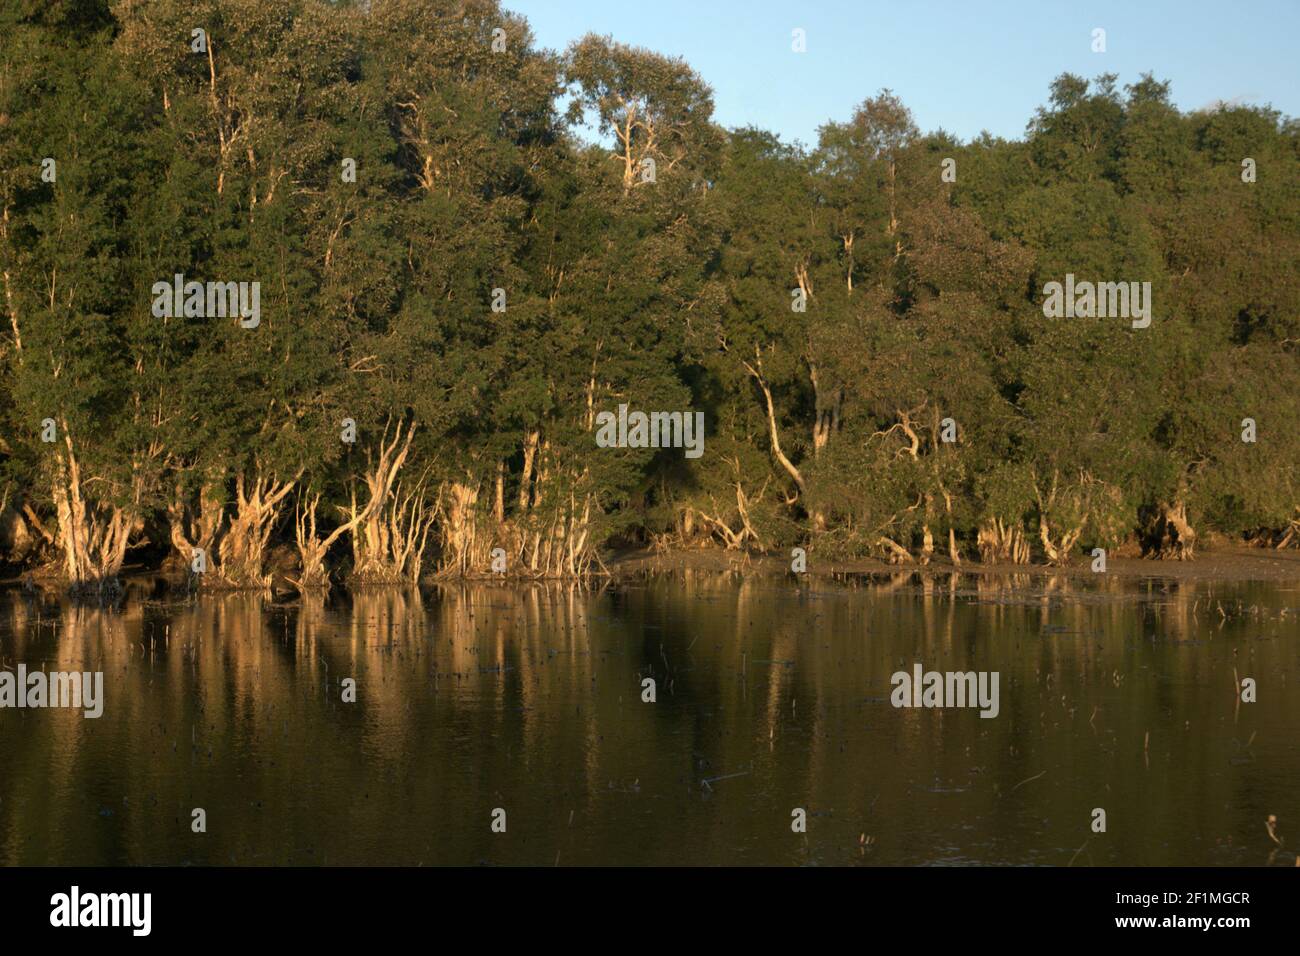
(190, 533)
(459, 532)
(91, 536)
(1058, 553)
(241, 555)
(1169, 535)
(897, 553)
(313, 549)
(774, 436)
(526, 479)
(393, 528)
(998, 542)
(499, 503)
(21, 537)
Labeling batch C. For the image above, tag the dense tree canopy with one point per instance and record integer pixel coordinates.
(429, 258)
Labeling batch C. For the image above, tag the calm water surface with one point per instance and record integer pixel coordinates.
(771, 696)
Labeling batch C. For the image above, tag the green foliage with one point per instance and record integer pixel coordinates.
(919, 391)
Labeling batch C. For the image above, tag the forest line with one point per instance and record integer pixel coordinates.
(346, 291)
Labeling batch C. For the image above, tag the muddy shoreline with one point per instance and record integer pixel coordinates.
(1225, 563)
(1228, 563)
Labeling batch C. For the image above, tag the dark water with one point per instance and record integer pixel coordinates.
(1115, 695)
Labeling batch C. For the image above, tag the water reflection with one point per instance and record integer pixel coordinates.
(771, 695)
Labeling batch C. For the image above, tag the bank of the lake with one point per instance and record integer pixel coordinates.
(390, 725)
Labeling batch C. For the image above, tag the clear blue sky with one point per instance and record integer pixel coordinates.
(962, 66)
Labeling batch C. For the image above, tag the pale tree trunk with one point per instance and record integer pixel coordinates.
(1002, 542)
(22, 534)
(1173, 537)
(896, 552)
(954, 552)
(543, 473)
(526, 479)
(411, 522)
(461, 551)
(548, 536)
(1053, 553)
(391, 532)
(722, 524)
(1184, 538)
(235, 559)
(241, 555)
(1058, 552)
(731, 540)
(553, 537)
(391, 549)
(927, 538)
(742, 506)
(804, 282)
(847, 239)
(624, 134)
(371, 548)
(774, 435)
(893, 209)
(1291, 533)
(827, 415)
(192, 533)
(559, 543)
(312, 549)
(499, 502)
(91, 536)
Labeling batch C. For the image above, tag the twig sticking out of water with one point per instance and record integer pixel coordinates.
(728, 776)
(1023, 782)
(1077, 852)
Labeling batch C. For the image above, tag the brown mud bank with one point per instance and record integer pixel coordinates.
(1224, 563)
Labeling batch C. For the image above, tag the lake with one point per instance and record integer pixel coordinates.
(771, 696)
